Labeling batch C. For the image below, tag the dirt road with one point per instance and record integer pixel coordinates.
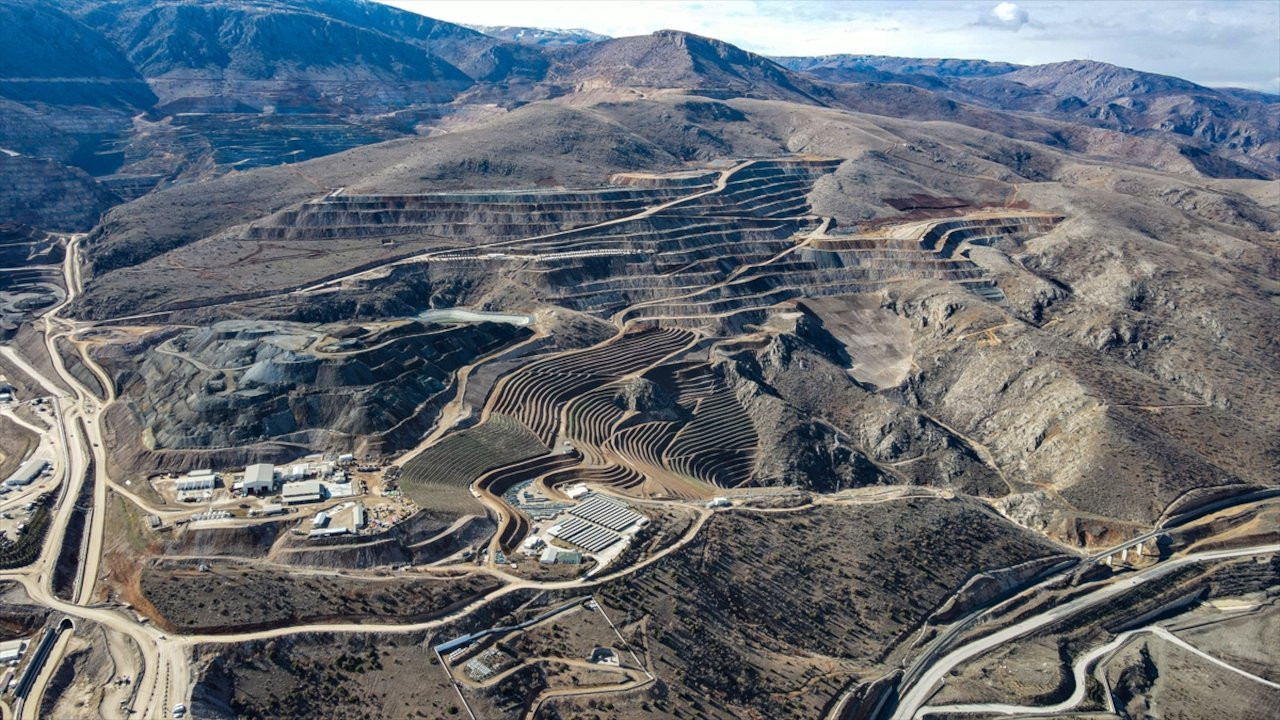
(911, 705)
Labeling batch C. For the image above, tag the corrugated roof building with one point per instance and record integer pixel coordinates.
(192, 483)
(260, 479)
(28, 473)
(302, 492)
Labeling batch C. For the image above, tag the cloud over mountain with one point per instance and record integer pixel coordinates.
(1006, 16)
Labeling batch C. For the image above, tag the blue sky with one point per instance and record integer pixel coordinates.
(1213, 42)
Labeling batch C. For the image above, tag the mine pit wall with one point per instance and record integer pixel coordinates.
(311, 413)
(727, 325)
(1003, 225)
(270, 292)
(30, 276)
(839, 267)
(603, 285)
(22, 245)
(641, 180)
(469, 216)
(252, 541)
(47, 194)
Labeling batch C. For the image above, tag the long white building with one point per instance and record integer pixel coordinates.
(193, 482)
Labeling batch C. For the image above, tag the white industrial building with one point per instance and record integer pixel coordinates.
(597, 523)
(306, 470)
(607, 513)
(556, 556)
(197, 480)
(302, 492)
(11, 651)
(28, 473)
(295, 472)
(260, 479)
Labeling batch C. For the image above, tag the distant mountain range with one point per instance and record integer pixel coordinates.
(136, 94)
(545, 37)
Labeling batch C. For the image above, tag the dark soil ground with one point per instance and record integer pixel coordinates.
(242, 598)
(344, 677)
(762, 605)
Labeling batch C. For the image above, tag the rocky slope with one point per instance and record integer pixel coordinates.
(182, 92)
(1126, 342)
(286, 56)
(258, 390)
(1238, 125)
(50, 195)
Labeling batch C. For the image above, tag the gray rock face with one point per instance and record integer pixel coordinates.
(644, 396)
(50, 195)
(237, 385)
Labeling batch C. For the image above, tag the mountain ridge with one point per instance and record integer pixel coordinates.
(313, 78)
(543, 37)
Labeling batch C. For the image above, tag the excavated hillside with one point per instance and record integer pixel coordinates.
(31, 278)
(810, 359)
(884, 303)
(117, 99)
(239, 390)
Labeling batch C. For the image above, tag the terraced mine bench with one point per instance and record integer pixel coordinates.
(465, 215)
(440, 476)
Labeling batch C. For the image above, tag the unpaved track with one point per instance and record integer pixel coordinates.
(911, 705)
(1079, 671)
(635, 680)
(165, 675)
(76, 448)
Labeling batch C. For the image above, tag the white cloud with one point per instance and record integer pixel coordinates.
(1006, 16)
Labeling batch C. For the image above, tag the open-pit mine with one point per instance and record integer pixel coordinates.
(626, 378)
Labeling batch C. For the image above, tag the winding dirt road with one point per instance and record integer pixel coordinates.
(911, 704)
(164, 677)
